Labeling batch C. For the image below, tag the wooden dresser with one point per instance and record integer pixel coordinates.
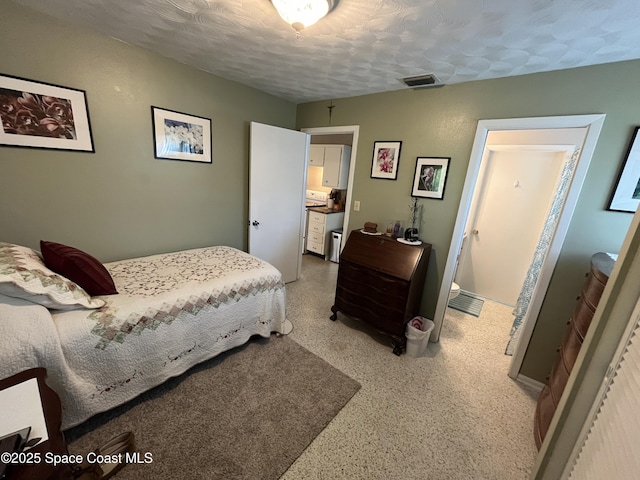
(380, 282)
(577, 326)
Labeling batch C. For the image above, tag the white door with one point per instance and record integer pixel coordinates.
(277, 166)
(514, 196)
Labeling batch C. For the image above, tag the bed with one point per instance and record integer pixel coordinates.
(171, 312)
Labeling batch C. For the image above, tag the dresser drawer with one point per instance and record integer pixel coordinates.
(374, 312)
(315, 247)
(390, 292)
(316, 238)
(582, 316)
(316, 227)
(317, 217)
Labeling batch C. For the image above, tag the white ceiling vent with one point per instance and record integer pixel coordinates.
(422, 81)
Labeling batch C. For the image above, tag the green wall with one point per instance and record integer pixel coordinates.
(120, 202)
(442, 121)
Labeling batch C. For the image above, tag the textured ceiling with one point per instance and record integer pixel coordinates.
(366, 46)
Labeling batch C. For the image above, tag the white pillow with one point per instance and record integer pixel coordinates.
(24, 275)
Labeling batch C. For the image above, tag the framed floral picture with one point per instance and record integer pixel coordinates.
(430, 177)
(386, 158)
(42, 115)
(626, 195)
(179, 136)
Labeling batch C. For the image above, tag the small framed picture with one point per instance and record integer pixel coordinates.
(430, 177)
(41, 115)
(179, 136)
(626, 195)
(386, 157)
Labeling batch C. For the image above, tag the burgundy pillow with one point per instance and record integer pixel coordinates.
(79, 267)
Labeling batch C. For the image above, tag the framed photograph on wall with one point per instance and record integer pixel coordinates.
(430, 177)
(42, 115)
(179, 136)
(626, 194)
(386, 157)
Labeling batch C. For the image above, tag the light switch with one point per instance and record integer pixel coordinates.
(356, 205)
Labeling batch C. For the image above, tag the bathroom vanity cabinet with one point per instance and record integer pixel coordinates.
(380, 283)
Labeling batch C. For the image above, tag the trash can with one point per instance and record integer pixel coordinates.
(418, 332)
(336, 240)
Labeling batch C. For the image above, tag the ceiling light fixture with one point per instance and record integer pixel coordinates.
(301, 14)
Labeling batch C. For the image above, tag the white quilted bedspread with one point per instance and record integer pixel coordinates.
(172, 311)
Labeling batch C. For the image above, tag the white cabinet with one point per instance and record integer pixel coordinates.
(335, 160)
(319, 229)
(316, 155)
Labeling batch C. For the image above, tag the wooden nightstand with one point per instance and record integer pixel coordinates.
(40, 468)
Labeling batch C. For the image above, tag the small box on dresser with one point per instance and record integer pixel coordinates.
(380, 282)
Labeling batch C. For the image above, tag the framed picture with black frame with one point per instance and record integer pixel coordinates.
(626, 194)
(180, 136)
(430, 177)
(385, 161)
(43, 115)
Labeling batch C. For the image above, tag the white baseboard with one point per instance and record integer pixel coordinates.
(530, 382)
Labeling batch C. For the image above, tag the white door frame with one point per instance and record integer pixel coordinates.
(594, 125)
(343, 130)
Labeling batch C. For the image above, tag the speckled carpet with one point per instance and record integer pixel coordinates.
(246, 414)
(452, 414)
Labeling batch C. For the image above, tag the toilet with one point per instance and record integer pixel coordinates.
(455, 290)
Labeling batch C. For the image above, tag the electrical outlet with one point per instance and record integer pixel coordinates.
(356, 205)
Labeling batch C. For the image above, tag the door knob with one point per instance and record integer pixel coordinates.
(255, 223)
(475, 232)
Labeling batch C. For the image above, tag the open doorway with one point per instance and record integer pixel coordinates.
(514, 192)
(347, 134)
(592, 125)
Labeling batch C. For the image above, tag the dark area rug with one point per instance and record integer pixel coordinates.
(246, 414)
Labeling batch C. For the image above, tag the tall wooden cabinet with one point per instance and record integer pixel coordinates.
(577, 326)
(380, 282)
